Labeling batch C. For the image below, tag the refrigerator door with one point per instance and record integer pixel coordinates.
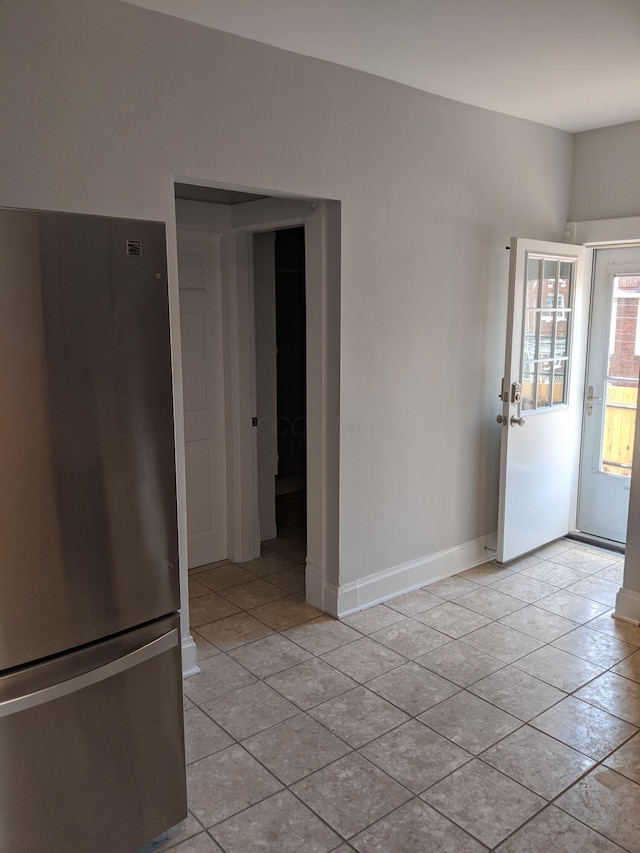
(92, 746)
(88, 539)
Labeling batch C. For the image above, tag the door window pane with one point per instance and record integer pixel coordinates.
(621, 398)
(547, 329)
(528, 381)
(533, 283)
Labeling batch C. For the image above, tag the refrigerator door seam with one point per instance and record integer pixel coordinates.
(72, 685)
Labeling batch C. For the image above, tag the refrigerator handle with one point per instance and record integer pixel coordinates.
(108, 670)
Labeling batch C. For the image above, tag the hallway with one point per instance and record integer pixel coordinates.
(498, 709)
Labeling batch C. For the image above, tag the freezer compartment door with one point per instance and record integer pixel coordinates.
(94, 761)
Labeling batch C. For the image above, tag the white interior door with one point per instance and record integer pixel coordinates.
(199, 273)
(612, 394)
(541, 395)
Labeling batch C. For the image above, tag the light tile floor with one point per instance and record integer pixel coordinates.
(498, 709)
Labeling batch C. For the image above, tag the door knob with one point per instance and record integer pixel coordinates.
(517, 421)
(501, 420)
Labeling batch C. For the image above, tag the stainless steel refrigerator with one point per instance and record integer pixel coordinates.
(91, 725)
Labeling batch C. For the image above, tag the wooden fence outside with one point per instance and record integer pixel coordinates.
(619, 429)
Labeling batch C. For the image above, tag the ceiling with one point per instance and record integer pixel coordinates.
(571, 64)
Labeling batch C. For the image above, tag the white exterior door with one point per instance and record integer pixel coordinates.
(611, 395)
(199, 273)
(541, 395)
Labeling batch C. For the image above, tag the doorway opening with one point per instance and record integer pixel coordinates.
(281, 390)
(226, 246)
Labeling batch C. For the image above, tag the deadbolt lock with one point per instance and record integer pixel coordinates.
(516, 392)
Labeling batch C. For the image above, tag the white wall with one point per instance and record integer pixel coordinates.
(106, 103)
(606, 173)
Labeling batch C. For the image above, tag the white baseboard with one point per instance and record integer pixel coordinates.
(318, 593)
(189, 657)
(406, 577)
(628, 606)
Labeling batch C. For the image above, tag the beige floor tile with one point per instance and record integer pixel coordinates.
(414, 602)
(613, 693)
(595, 647)
(487, 573)
(554, 574)
(322, 634)
(554, 548)
(270, 655)
(253, 593)
(630, 667)
(350, 794)
(554, 831)
(606, 624)
(452, 619)
(410, 638)
(525, 588)
(470, 722)
(571, 606)
(202, 736)
(202, 843)
(249, 710)
(613, 573)
(587, 560)
(196, 589)
(489, 602)
(539, 623)
(234, 631)
(291, 580)
(517, 692)
(223, 577)
(205, 648)
(597, 589)
(626, 759)
(373, 619)
(501, 642)
(451, 588)
(559, 668)
(460, 663)
(364, 659)
(522, 563)
(208, 607)
(484, 802)
(225, 783)
(538, 762)
(285, 613)
(218, 675)
(268, 564)
(280, 824)
(413, 688)
(186, 703)
(358, 716)
(295, 748)
(310, 683)
(609, 803)
(584, 727)
(406, 829)
(183, 831)
(415, 755)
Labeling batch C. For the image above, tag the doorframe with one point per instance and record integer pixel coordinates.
(236, 225)
(612, 233)
(321, 222)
